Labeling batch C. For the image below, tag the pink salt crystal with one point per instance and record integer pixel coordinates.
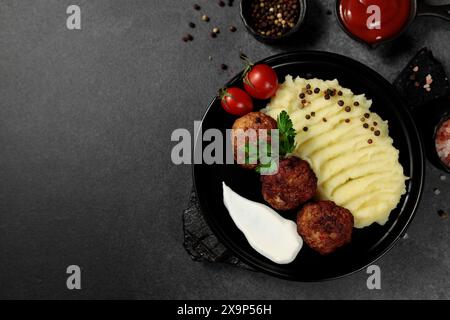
(443, 142)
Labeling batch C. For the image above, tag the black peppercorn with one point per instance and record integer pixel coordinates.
(273, 18)
(316, 90)
(340, 103)
(442, 214)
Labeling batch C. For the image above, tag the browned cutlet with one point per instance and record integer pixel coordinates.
(325, 226)
(255, 121)
(293, 184)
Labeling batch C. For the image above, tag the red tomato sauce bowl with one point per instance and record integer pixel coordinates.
(376, 21)
(393, 15)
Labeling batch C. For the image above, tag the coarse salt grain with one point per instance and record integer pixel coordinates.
(444, 150)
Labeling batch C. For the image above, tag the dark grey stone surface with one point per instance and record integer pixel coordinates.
(85, 170)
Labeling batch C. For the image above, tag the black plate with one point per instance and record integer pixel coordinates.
(368, 244)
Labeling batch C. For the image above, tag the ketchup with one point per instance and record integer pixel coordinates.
(394, 15)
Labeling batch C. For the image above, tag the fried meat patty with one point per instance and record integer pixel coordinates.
(325, 226)
(293, 184)
(255, 121)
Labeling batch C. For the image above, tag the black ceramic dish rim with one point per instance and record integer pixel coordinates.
(412, 17)
(419, 176)
(259, 37)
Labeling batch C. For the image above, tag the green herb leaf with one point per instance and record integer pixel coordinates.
(271, 165)
(286, 134)
(251, 151)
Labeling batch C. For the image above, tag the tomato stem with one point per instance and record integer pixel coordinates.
(223, 93)
(246, 59)
(248, 67)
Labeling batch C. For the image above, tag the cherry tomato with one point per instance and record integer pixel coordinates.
(236, 101)
(261, 81)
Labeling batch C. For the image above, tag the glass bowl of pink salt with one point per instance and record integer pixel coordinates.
(442, 141)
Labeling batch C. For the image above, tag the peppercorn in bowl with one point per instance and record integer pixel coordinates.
(273, 20)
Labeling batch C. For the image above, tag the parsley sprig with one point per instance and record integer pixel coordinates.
(286, 134)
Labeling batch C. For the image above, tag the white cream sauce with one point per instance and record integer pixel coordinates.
(266, 231)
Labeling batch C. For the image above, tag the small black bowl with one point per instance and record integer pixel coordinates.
(418, 9)
(429, 118)
(412, 15)
(246, 19)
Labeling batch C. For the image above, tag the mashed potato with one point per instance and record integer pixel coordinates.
(347, 146)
